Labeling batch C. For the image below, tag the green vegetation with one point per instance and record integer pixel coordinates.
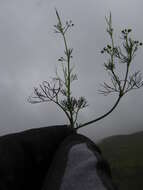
(59, 90)
(125, 155)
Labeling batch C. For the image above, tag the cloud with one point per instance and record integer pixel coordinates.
(29, 51)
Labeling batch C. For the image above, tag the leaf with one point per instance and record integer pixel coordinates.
(64, 92)
(73, 77)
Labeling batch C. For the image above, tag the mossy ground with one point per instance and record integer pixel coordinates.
(125, 155)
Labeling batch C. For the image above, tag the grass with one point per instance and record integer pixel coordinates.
(125, 156)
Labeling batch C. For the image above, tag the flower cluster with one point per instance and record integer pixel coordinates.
(60, 28)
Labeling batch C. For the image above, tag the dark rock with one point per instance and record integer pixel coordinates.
(52, 158)
(26, 156)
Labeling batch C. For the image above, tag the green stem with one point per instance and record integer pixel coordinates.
(101, 117)
(68, 86)
(125, 81)
(68, 81)
(128, 65)
(112, 59)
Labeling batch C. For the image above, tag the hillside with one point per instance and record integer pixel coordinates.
(125, 155)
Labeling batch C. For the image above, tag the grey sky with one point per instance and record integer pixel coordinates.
(29, 51)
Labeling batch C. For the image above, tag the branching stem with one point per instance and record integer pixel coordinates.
(101, 117)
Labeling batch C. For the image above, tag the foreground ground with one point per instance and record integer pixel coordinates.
(125, 155)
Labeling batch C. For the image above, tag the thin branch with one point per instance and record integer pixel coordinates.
(101, 117)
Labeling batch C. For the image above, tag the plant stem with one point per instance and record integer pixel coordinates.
(101, 117)
(68, 81)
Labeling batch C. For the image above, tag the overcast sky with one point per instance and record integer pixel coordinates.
(29, 51)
